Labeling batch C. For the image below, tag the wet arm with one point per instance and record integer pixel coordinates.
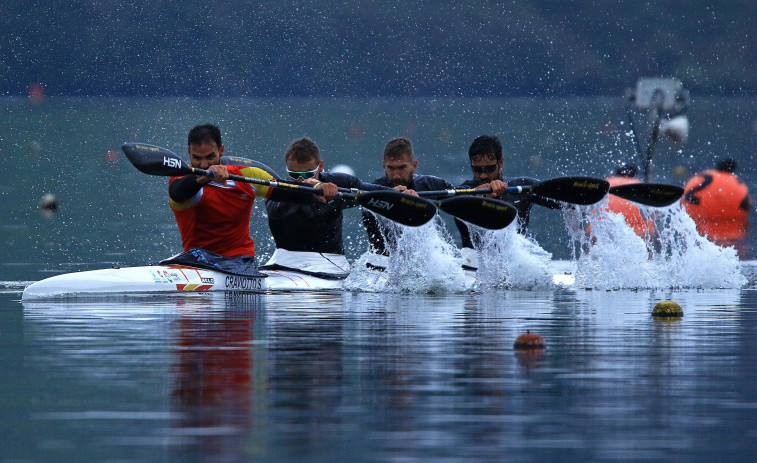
(183, 188)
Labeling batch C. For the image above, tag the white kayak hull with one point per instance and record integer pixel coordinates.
(164, 279)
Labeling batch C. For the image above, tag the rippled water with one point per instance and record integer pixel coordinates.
(381, 377)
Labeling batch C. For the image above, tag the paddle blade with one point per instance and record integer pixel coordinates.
(649, 194)
(484, 212)
(575, 190)
(154, 160)
(399, 207)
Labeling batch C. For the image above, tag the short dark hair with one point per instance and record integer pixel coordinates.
(485, 144)
(727, 165)
(397, 147)
(204, 133)
(303, 150)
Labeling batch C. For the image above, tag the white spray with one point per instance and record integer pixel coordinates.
(612, 256)
(507, 259)
(423, 260)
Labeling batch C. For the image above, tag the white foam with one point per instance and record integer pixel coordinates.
(612, 256)
(507, 259)
(423, 260)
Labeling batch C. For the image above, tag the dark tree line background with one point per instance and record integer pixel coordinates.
(374, 48)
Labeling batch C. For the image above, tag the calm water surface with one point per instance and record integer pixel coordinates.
(380, 377)
(354, 376)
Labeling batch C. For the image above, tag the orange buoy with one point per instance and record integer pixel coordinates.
(630, 211)
(111, 156)
(718, 202)
(356, 131)
(529, 341)
(36, 93)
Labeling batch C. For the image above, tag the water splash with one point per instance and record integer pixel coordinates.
(509, 260)
(423, 260)
(675, 255)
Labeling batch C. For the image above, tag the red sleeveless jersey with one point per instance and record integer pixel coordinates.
(217, 218)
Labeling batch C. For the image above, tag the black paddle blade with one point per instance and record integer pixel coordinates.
(649, 194)
(155, 160)
(484, 212)
(399, 207)
(575, 190)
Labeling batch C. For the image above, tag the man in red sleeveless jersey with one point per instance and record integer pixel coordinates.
(213, 212)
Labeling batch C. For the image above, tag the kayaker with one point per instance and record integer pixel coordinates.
(213, 213)
(485, 154)
(399, 165)
(314, 225)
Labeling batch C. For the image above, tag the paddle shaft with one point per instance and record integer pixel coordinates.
(484, 212)
(274, 183)
(404, 209)
(473, 191)
(575, 190)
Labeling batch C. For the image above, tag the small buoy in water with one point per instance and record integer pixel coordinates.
(343, 169)
(36, 93)
(529, 341)
(111, 156)
(49, 203)
(356, 131)
(667, 309)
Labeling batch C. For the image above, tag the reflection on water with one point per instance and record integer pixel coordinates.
(212, 368)
(376, 377)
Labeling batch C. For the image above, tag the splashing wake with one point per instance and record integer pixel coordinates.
(423, 260)
(510, 260)
(426, 260)
(674, 255)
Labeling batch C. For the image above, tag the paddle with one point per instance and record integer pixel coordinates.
(483, 212)
(575, 190)
(401, 208)
(490, 213)
(649, 194)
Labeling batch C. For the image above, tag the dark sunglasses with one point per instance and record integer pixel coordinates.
(302, 175)
(484, 169)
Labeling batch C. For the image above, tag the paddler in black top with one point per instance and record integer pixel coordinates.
(399, 169)
(485, 154)
(315, 226)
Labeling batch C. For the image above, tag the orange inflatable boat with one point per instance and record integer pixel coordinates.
(719, 204)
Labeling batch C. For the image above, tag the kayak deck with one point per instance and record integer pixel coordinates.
(172, 279)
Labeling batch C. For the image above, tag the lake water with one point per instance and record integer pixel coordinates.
(368, 376)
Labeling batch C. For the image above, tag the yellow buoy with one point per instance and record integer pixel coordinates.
(667, 309)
